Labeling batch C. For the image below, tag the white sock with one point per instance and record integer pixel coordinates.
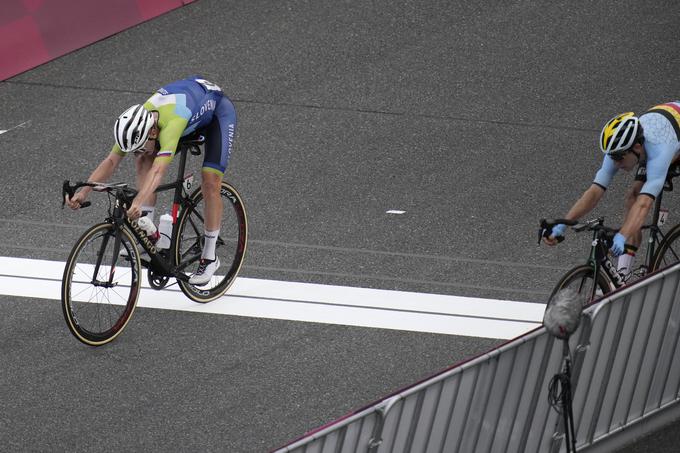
(625, 263)
(209, 246)
(148, 211)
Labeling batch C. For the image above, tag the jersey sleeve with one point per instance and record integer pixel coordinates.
(115, 149)
(659, 158)
(605, 174)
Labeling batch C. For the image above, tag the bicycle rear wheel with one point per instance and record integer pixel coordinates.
(230, 248)
(581, 279)
(99, 289)
(669, 250)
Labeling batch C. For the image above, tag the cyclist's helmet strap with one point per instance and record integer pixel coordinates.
(620, 133)
(132, 128)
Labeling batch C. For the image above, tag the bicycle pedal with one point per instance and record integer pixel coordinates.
(639, 272)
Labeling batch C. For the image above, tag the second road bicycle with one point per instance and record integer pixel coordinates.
(599, 276)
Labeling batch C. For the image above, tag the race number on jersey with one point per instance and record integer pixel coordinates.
(208, 85)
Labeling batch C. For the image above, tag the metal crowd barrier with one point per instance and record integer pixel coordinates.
(625, 381)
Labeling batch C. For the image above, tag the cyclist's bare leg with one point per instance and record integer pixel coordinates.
(211, 185)
(625, 262)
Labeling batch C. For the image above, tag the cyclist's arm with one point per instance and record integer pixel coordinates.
(637, 215)
(104, 170)
(583, 206)
(153, 180)
(172, 121)
(659, 158)
(590, 198)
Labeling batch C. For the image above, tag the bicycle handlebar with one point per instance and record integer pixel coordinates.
(546, 227)
(70, 190)
(597, 224)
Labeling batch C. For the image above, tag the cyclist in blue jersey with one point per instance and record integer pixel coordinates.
(652, 142)
(151, 133)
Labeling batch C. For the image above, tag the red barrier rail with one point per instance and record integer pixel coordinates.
(33, 32)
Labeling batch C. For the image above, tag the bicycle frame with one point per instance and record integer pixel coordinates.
(655, 233)
(159, 263)
(599, 258)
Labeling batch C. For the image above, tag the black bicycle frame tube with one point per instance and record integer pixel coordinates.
(177, 185)
(149, 246)
(653, 230)
(602, 258)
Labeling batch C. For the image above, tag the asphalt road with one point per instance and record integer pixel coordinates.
(476, 119)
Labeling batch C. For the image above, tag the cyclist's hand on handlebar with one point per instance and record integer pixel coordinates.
(555, 235)
(553, 240)
(76, 201)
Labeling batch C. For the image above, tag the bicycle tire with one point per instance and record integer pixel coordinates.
(578, 276)
(668, 252)
(230, 249)
(96, 314)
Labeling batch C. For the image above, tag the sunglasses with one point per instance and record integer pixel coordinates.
(618, 156)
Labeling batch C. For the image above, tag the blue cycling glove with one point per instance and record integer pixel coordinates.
(558, 230)
(618, 244)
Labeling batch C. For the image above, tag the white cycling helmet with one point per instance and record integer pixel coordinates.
(132, 128)
(620, 133)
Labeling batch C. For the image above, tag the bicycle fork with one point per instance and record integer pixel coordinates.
(117, 224)
(100, 257)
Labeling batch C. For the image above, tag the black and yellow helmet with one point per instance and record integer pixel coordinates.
(620, 133)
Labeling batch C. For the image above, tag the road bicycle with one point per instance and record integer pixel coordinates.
(102, 277)
(663, 250)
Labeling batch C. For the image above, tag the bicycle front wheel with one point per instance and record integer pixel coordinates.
(582, 281)
(230, 248)
(99, 288)
(669, 250)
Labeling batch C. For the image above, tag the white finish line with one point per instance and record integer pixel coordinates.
(363, 307)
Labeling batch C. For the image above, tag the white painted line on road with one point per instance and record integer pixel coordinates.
(395, 211)
(271, 299)
(24, 124)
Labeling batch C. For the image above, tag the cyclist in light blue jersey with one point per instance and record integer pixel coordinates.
(151, 133)
(652, 142)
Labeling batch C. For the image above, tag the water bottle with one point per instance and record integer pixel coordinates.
(165, 229)
(149, 228)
